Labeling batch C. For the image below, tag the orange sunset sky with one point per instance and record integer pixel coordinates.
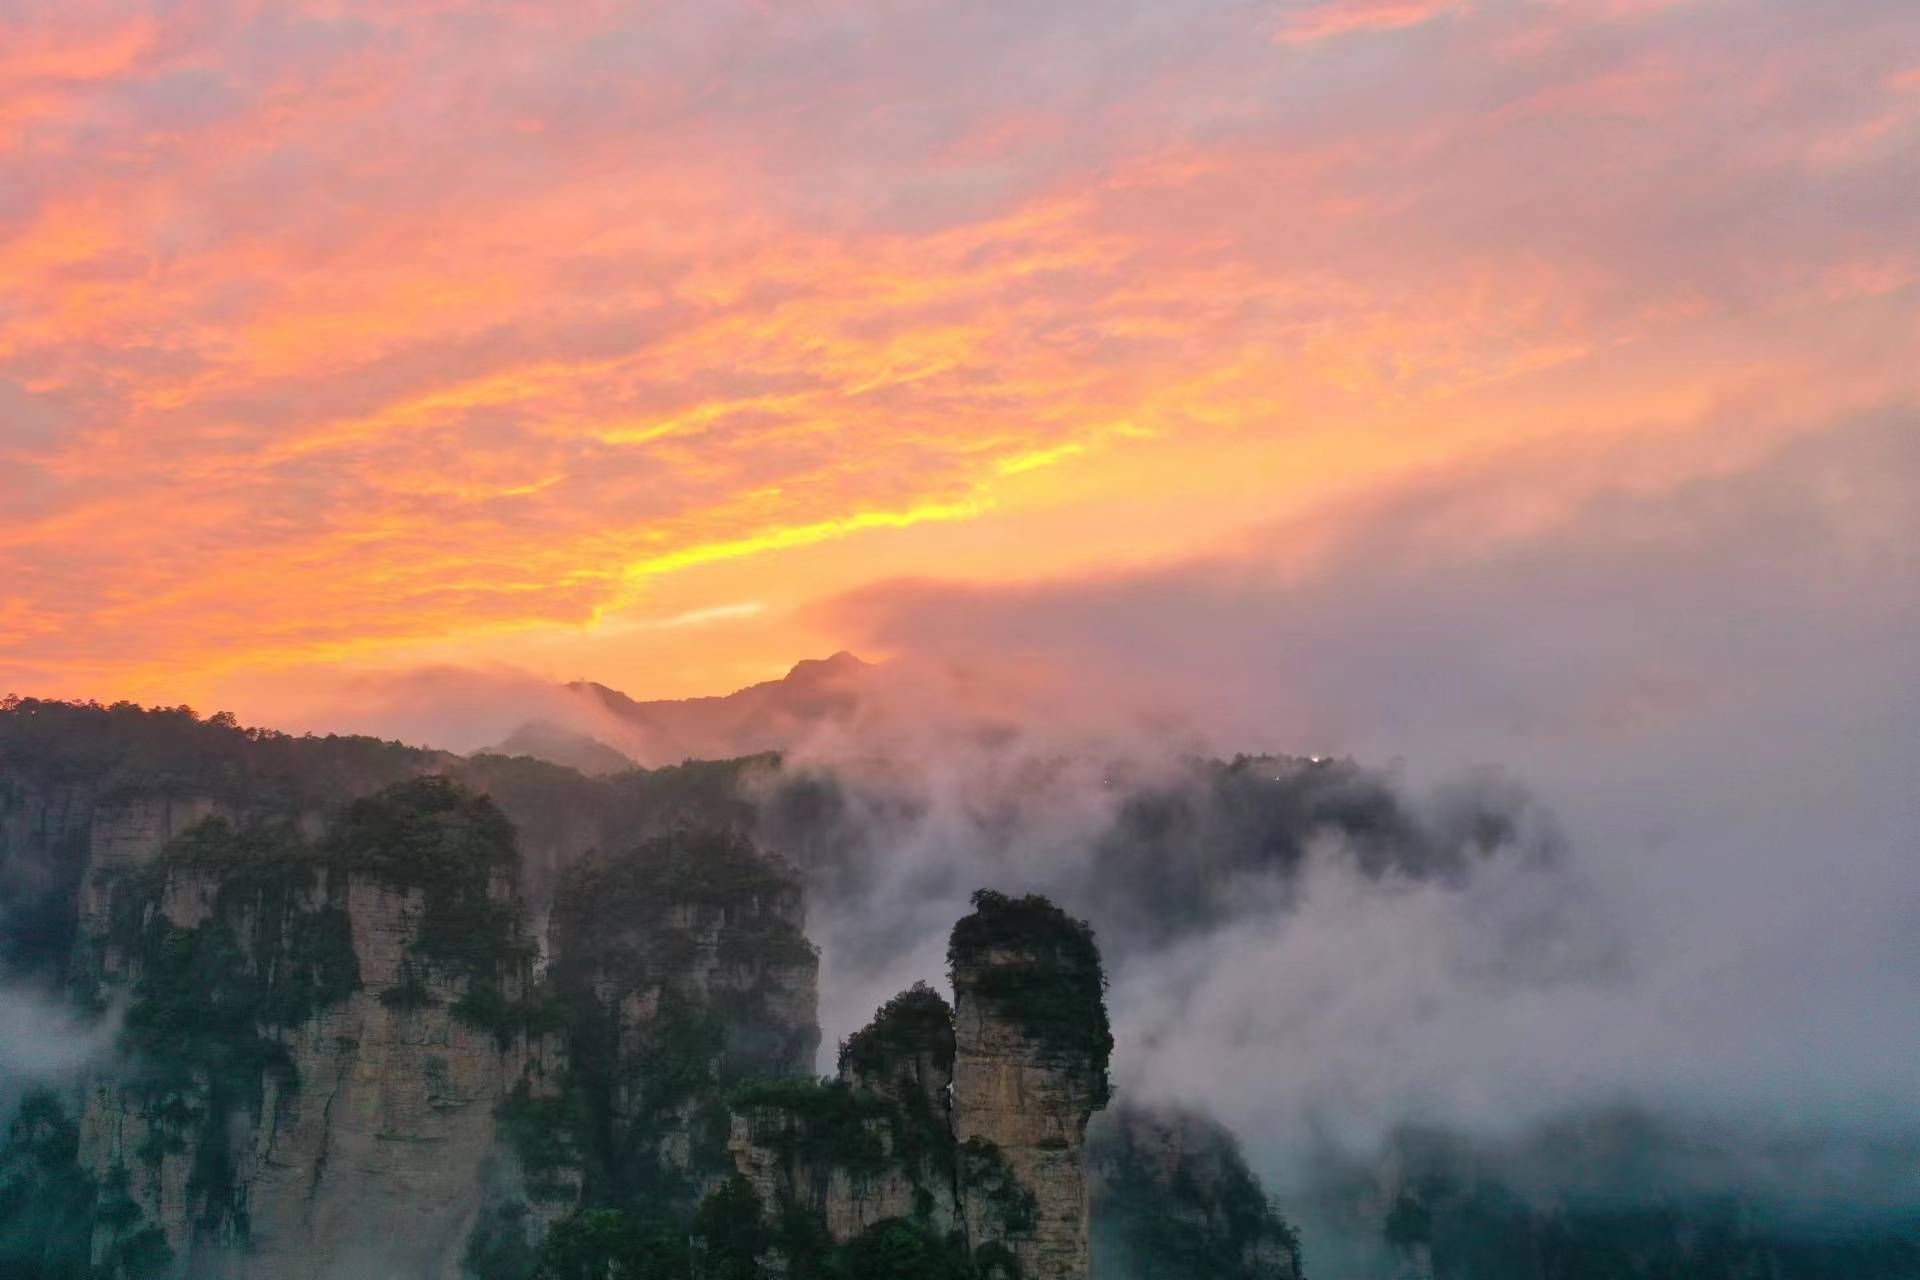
(635, 341)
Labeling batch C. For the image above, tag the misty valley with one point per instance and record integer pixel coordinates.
(321, 1008)
(990, 640)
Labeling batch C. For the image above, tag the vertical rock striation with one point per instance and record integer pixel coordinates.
(318, 1037)
(1030, 1068)
(341, 1054)
(953, 1137)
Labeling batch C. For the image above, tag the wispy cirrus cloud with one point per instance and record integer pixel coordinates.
(1308, 23)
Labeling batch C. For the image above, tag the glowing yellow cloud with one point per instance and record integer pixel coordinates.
(801, 535)
(293, 368)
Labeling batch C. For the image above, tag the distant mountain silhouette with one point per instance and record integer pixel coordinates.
(617, 732)
(557, 744)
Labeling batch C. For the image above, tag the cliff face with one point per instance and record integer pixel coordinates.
(1030, 1069)
(874, 1145)
(338, 1055)
(141, 776)
(951, 1145)
(905, 1055)
(687, 971)
(63, 840)
(369, 1141)
(845, 1158)
(314, 1072)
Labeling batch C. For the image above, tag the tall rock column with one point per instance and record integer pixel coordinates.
(1030, 1068)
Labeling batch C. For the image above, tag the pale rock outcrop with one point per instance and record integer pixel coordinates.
(1034, 1108)
(968, 1122)
(368, 1154)
(878, 1143)
(311, 1082)
(126, 834)
(1031, 1046)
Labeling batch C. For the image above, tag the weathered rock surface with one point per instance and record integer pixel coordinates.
(689, 957)
(875, 1145)
(782, 1156)
(965, 1123)
(369, 1151)
(960, 1130)
(310, 1082)
(121, 836)
(1030, 1062)
(1009, 1092)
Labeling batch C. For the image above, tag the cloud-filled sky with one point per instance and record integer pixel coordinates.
(1708, 684)
(1525, 383)
(611, 340)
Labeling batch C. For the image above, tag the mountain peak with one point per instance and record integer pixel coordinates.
(841, 663)
(768, 716)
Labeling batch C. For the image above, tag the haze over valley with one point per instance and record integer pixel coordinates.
(872, 640)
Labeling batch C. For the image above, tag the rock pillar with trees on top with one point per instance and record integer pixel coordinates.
(1031, 1048)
